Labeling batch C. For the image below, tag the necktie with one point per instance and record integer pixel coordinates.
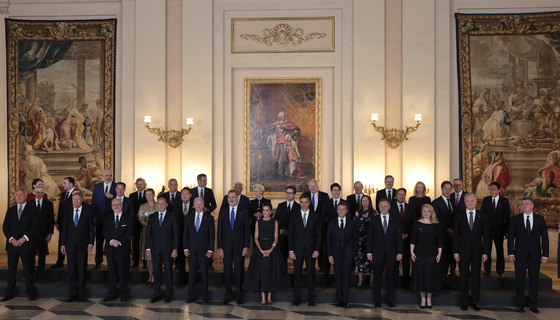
(185, 210)
(528, 226)
(493, 204)
(305, 219)
(232, 218)
(76, 218)
(457, 199)
(38, 205)
(140, 195)
(160, 219)
(341, 224)
(197, 222)
(289, 207)
(106, 188)
(389, 196)
(202, 193)
(385, 224)
(335, 203)
(313, 201)
(68, 193)
(402, 212)
(359, 198)
(448, 204)
(471, 220)
(116, 221)
(172, 197)
(19, 211)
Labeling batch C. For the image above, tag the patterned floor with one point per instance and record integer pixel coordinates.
(142, 309)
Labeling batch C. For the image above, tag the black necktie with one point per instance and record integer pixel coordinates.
(289, 207)
(448, 204)
(116, 221)
(38, 205)
(528, 226)
(341, 224)
(471, 220)
(172, 197)
(389, 196)
(106, 188)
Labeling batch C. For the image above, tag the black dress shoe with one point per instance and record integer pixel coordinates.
(81, 299)
(239, 302)
(124, 300)
(97, 266)
(521, 309)
(534, 310)
(296, 302)
(56, 265)
(7, 298)
(109, 299)
(72, 298)
(156, 299)
(377, 305)
(167, 300)
(190, 300)
(346, 305)
(500, 275)
(311, 303)
(464, 307)
(475, 307)
(31, 297)
(203, 301)
(390, 305)
(227, 300)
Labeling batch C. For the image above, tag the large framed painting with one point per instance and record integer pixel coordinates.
(61, 102)
(509, 83)
(282, 133)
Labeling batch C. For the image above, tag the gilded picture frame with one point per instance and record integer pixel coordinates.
(61, 102)
(282, 133)
(509, 99)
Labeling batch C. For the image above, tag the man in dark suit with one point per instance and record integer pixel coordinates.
(528, 249)
(354, 200)
(342, 246)
(20, 225)
(328, 214)
(317, 199)
(162, 241)
(388, 193)
(458, 196)
(206, 193)
(304, 243)
(283, 213)
(182, 211)
(64, 205)
(117, 230)
(138, 198)
(77, 241)
(172, 196)
(242, 200)
(128, 205)
(384, 248)
(103, 193)
(444, 212)
(471, 242)
(406, 215)
(497, 210)
(233, 244)
(45, 213)
(198, 244)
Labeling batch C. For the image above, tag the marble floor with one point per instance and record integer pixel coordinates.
(141, 309)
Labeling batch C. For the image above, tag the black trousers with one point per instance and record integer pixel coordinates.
(61, 257)
(77, 265)
(470, 263)
(387, 262)
(99, 239)
(160, 259)
(298, 268)
(26, 253)
(118, 270)
(521, 268)
(405, 262)
(42, 246)
(198, 262)
(136, 241)
(232, 260)
(498, 239)
(342, 270)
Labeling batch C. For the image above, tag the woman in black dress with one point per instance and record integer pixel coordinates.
(419, 198)
(363, 217)
(267, 272)
(425, 250)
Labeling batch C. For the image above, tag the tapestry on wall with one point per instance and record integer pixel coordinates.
(61, 96)
(509, 83)
(283, 130)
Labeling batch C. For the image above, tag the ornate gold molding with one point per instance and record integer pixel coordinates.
(283, 35)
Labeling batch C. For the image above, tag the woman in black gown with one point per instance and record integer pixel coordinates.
(419, 198)
(425, 250)
(267, 272)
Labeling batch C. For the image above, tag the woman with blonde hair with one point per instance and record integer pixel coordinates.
(419, 198)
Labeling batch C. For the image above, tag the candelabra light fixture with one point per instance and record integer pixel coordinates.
(369, 189)
(174, 138)
(395, 137)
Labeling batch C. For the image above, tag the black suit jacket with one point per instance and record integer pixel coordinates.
(282, 214)
(17, 228)
(209, 200)
(171, 204)
(345, 247)
(122, 233)
(128, 207)
(500, 219)
(469, 243)
(305, 240)
(461, 205)
(444, 215)
(63, 205)
(329, 211)
(381, 194)
(199, 243)
(240, 236)
(136, 203)
(178, 211)
(243, 203)
(406, 223)
(353, 205)
(45, 217)
(528, 247)
(322, 198)
(162, 239)
(381, 244)
(78, 237)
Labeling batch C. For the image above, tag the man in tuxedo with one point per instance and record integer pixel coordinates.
(527, 249)
(304, 244)
(64, 205)
(406, 215)
(233, 244)
(128, 205)
(20, 225)
(118, 228)
(283, 213)
(45, 214)
(458, 196)
(182, 212)
(388, 193)
(497, 210)
(328, 214)
(198, 244)
(138, 198)
(354, 200)
(471, 242)
(444, 212)
(162, 241)
(317, 199)
(172, 196)
(205, 193)
(384, 249)
(103, 193)
(242, 200)
(342, 246)
(77, 241)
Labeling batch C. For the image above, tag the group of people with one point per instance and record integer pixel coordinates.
(347, 234)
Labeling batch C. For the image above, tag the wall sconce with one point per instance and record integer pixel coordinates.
(369, 189)
(395, 137)
(174, 138)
